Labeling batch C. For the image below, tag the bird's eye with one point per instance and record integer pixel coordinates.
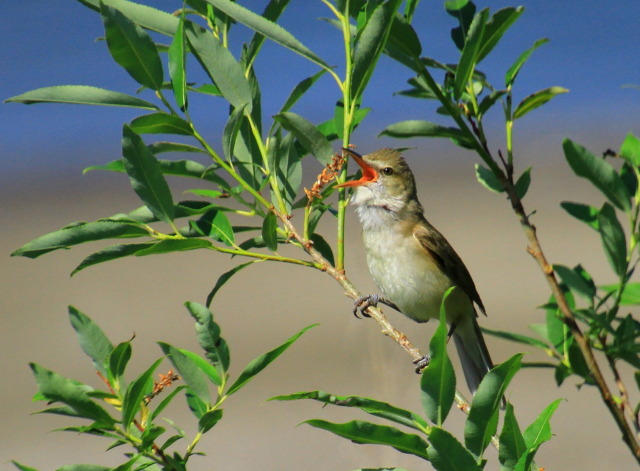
(387, 171)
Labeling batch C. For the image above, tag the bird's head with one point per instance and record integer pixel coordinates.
(386, 182)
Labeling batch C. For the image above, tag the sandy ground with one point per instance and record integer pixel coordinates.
(264, 305)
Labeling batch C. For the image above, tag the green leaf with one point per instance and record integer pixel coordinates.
(577, 280)
(630, 294)
(23, 467)
(161, 123)
(403, 43)
(204, 366)
(271, 12)
(463, 11)
(113, 252)
(585, 213)
(136, 392)
(489, 100)
(630, 149)
(307, 135)
(270, 232)
(221, 228)
(92, 339)
(438, 382)
(146, 16)
(522, 185)
(597, 171)
(78, 234)
(132, 48)
(261, 362)
(299, 90)
(536, 100)
(370, 406)
(189, 371)
(55, 388)
(146, 176)
(447, 454)
(613, 239)
(322, 246)
(482, 422)
(209, 420)
(514, 70)
(166, 401)
(224, 278)
(173, 245)
(495, 28)
(196, 405)
(208, 334)
(164, 146)
(418, 128)
(177, 64)
(288, 166)
(488, 179)
(118, 360)
(540, 430)
(470, 53)
(231, 130)
(372, 434)
(220, 65)
(267, 28)
(523, 339)
(370, 43)
(512, 444)
(81, 95)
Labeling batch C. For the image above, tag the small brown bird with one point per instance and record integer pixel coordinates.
(412, 263)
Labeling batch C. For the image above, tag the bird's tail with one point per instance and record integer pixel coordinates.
(472, 351)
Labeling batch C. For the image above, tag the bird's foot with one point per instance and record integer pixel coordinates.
(364, 302)
(422, 363)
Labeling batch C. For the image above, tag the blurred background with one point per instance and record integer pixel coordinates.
(43, 150)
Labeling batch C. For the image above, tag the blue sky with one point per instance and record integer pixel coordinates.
(594, 50)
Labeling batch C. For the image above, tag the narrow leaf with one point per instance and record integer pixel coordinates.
(597, 171)
(224, 278)
(523, 339)
(132, 48)
(173, 245)
(630, 149)
(482, 422)
(146, 16)
(118, 360)
(322, 246)
(470, 53)
(372, 434)
(576, 280)
(146, 176)
(522, 185)
(92, 339)
(438, 381)
(513, 71)
(136, 392)
(81, 95)
(307, 135)
(269, 232)
(267, 28)
(208, 334)
(499, 23)
(585, 213)
(536, 100)
(220, 65)
(299, 90)
(613, 239)
(488, 179)
(209, 420)
(177, 64)
(418, 128)
(540, 430)
(113, 252)
(78, 234)
(189, 371)
(447, 454)
(370, 406)
(262, 361)
(161, 123)
(55, 388)
(512, 444)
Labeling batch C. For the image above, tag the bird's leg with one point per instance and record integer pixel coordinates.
(422, 363)
(364, 302)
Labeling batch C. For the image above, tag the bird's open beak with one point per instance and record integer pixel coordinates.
(369, 174)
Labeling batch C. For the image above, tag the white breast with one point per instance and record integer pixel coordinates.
(400, 267)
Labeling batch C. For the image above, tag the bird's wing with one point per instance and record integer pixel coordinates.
(447, 259)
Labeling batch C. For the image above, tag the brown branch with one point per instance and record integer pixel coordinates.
(535, 249)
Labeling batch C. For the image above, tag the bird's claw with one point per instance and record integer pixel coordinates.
(422, 363)
(365, 302)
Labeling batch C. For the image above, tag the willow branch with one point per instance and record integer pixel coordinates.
(535, 249)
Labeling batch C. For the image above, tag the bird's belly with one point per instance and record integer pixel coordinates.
(406, 275)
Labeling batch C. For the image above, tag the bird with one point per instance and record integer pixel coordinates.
(410, 261)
